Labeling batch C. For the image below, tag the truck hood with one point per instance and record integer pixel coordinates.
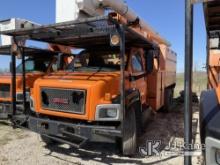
(5, 78)
(82, 80)
(87, 76)
(100, 87)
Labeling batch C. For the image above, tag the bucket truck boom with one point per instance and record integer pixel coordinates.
(70, 10)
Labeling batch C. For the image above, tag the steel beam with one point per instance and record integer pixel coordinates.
(120, 30)
(188, 78)
(13, 79)
(201, 1)
(22, 52)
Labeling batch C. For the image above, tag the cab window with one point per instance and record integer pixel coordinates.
(136, 63)
(32, 65)
(96, 61)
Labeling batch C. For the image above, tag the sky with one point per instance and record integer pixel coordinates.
(164, 16)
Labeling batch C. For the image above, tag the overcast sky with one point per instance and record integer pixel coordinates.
(165, 16)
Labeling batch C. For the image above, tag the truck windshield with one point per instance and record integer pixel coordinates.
(33, 65)
(95, 62)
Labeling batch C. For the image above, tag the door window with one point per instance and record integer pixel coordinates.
(137, 63)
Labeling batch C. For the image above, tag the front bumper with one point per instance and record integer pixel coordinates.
(5, 110)
(66, 132)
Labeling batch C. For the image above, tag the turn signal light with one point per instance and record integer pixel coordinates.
(107, 97)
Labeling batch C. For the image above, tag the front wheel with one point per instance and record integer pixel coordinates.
(129, 139)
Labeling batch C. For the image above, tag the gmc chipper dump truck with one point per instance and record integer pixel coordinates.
(38, 62)
(121, 70)
(210, 99)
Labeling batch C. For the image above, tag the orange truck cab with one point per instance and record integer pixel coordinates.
(210, 99)
(117, 76)
(38, 62)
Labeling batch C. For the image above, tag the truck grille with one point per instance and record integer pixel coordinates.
(5, 91)
(63, 100)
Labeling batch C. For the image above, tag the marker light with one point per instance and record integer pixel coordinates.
(115, 40)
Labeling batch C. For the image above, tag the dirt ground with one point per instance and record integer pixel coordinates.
(24, 148)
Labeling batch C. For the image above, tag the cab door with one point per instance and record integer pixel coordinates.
(138, 73)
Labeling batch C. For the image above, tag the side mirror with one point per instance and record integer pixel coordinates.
(149, 56)
(60, 61)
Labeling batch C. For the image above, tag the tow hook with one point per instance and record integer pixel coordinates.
(44, 126)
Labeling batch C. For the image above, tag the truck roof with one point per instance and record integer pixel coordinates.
(212, 17)
(29, 51)
(85, 33)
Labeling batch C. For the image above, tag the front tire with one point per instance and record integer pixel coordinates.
(129, 139)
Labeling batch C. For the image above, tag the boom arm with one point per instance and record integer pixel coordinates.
(69, 10)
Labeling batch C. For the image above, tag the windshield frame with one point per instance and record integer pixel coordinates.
(110, 67)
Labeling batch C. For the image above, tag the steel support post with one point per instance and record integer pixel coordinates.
(22, 52)
(122, 59)
(13, 79)
(188, 79)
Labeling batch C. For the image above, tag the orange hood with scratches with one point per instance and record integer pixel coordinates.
(100, 88)
(5, 79)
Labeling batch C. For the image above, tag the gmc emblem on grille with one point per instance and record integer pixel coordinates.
(60, 101)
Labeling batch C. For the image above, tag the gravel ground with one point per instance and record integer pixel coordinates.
(26, 148)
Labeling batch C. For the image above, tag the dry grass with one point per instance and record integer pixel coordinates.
(199, 83)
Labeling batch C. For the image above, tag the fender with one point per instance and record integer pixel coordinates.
(132, 96)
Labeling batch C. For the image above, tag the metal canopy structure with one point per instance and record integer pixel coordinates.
(85, 33)
(28, 51)
(212, 16)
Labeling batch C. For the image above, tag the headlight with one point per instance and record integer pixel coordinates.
(108, 112)
(111, 113)
(217, 156)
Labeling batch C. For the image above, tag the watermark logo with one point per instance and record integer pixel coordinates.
(152, 148)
